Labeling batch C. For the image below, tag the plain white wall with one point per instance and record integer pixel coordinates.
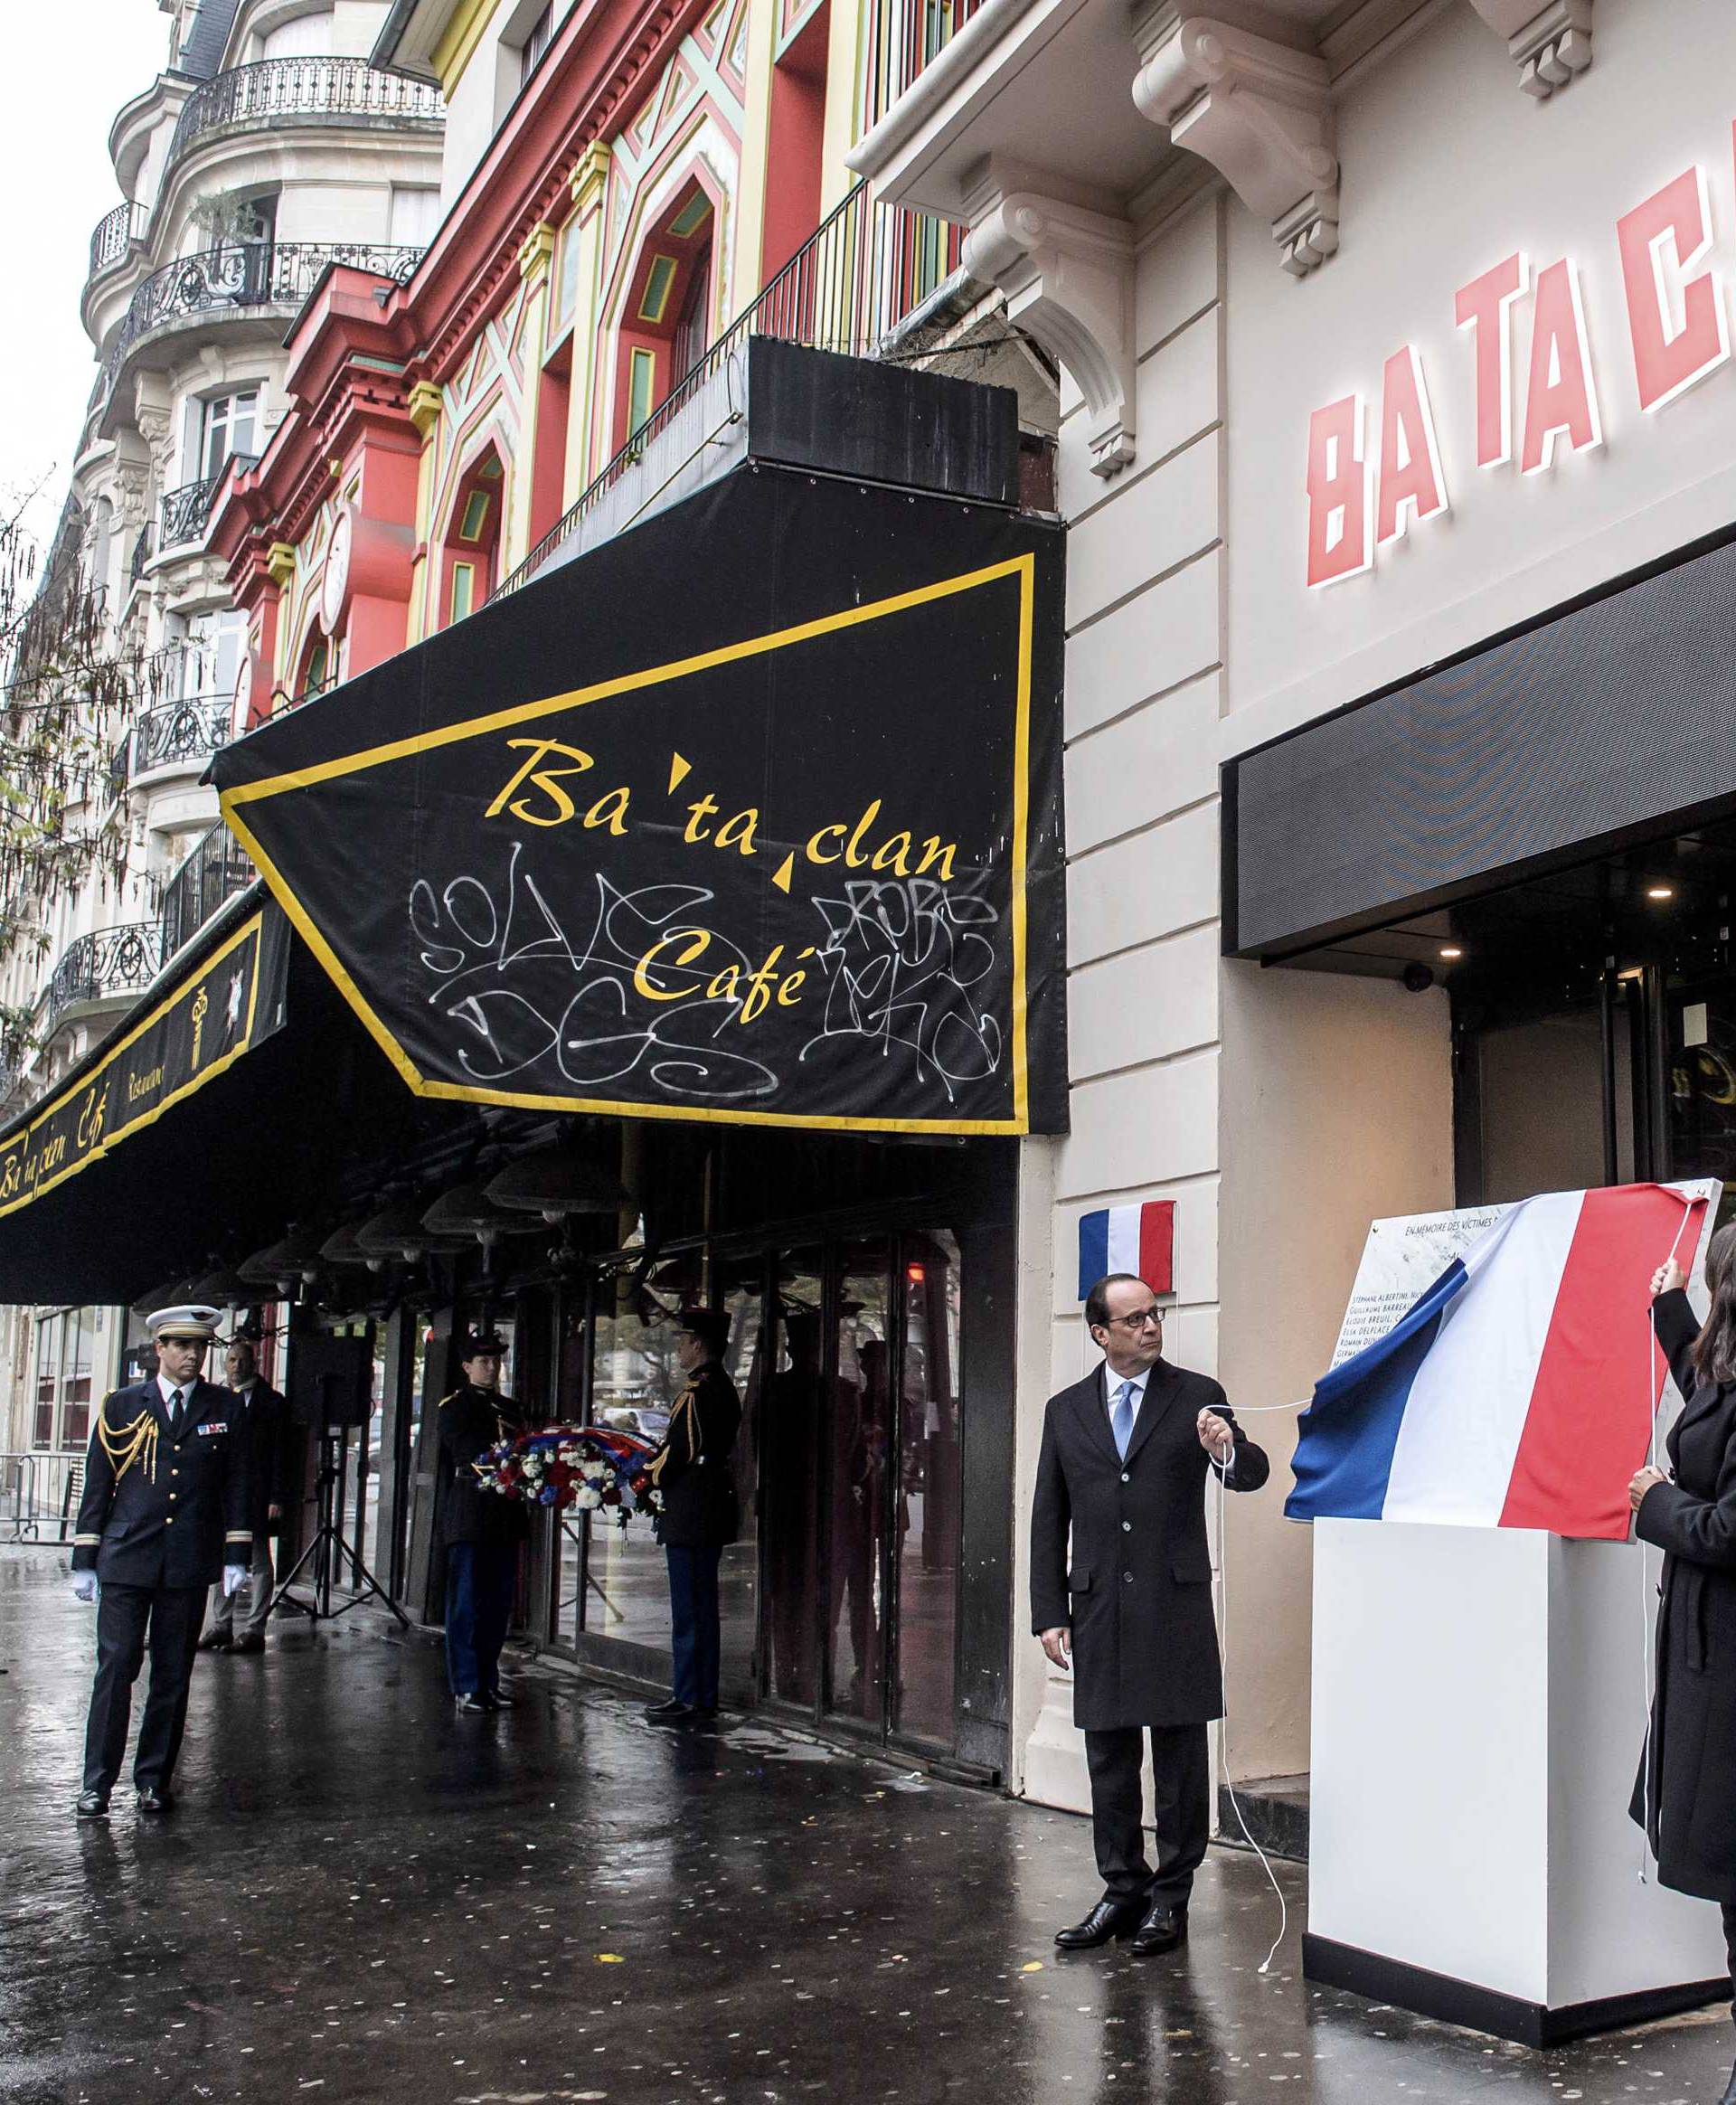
(1336, 1108)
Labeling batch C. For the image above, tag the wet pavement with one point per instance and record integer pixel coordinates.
(366, 1897)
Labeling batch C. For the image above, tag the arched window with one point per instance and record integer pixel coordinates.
(318, 666)
(472, 539)
(665, 320)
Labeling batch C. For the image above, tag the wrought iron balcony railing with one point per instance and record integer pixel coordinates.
(182, 513)
(902, 37)
(180, 733)
(847, 290)
(316, 89)
(215, 871)
(241, 275)
(114, 235)
(103, 964)
(142, 553)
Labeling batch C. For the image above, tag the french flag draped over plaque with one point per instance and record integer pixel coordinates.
(1140, 1239)
(1521, 1389)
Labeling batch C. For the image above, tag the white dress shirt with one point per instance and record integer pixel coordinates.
(1112, 1386)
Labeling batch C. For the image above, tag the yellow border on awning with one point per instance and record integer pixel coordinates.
(1022, 567)
(86, 1083)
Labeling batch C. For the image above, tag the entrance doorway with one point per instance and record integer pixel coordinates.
(860, 1482)
(840, 1598)
(1594, 1019)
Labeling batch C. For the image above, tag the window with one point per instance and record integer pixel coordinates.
(473, 537)
(72, 1355)
(415, 215)
(316, 675)
(641, 386)
(306, 35)
(536, 41)
(665, 308)
(230, 424)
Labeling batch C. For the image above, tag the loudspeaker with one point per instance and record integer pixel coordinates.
(331, 1379)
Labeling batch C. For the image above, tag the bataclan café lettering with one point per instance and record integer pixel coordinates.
(1361, 498)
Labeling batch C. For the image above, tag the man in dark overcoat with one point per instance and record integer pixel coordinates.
(166, 1511)
(1122, 1472)
(694, 1472)
(484, 1531)
(263, 1415)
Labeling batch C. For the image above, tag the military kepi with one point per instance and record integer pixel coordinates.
(188, 1320)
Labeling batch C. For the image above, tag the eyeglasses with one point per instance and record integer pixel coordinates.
(1146, 1318)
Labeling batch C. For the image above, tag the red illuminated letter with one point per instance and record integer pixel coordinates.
(1410, 484)
(1485, 306)
(1560, 397)
(1338, 513)
(1676, 322)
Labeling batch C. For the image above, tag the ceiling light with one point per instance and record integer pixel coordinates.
(1452, 950)
(1660, 891)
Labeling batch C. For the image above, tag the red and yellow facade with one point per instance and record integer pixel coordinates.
(659, 164)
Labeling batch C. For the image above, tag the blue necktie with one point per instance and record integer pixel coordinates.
(1121, 1419)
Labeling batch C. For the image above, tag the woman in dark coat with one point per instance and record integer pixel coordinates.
(1685, 1796)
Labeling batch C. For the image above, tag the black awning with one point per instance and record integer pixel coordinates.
(751, 813)
(1598, 727)
(189, 1138)
(223, 1001)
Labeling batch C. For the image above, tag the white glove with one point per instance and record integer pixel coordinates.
(234, 1578)
(84, 1586)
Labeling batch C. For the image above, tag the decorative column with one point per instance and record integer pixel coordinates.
(425, 404)
(535, 257)
(1548, 45)
(1067, 272)
(1259, 109)
(588, 182)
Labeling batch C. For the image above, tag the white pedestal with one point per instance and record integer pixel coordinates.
(1479, 1706)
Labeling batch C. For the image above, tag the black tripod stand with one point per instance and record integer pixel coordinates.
(327, 1546)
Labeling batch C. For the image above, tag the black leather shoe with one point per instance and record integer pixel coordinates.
(152, 1800)
(214, 1641)
(252, 1642)
(702, 1714)
(92, 1806)
(1162, 1929)
(1109, 1919)
(478, 1704)
(498, 1699)
(669, 1713)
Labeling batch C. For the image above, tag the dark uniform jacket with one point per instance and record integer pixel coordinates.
(158, 1511)
(272, 1442)
(693, 1469)
(1686, 1792)
(472, 1419)
(1137, 1589)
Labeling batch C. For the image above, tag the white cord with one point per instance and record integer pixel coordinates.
(1223, 1599)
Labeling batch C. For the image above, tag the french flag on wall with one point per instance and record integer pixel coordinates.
(1521, 1389)
(1140, 1239)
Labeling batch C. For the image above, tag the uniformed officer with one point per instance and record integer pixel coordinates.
(694, 1472)
(483, 1531)
(165, 1510)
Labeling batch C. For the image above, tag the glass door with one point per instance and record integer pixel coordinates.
(792, 1421)
(859, 1483)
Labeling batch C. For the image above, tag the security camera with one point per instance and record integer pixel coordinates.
(1418, 979)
